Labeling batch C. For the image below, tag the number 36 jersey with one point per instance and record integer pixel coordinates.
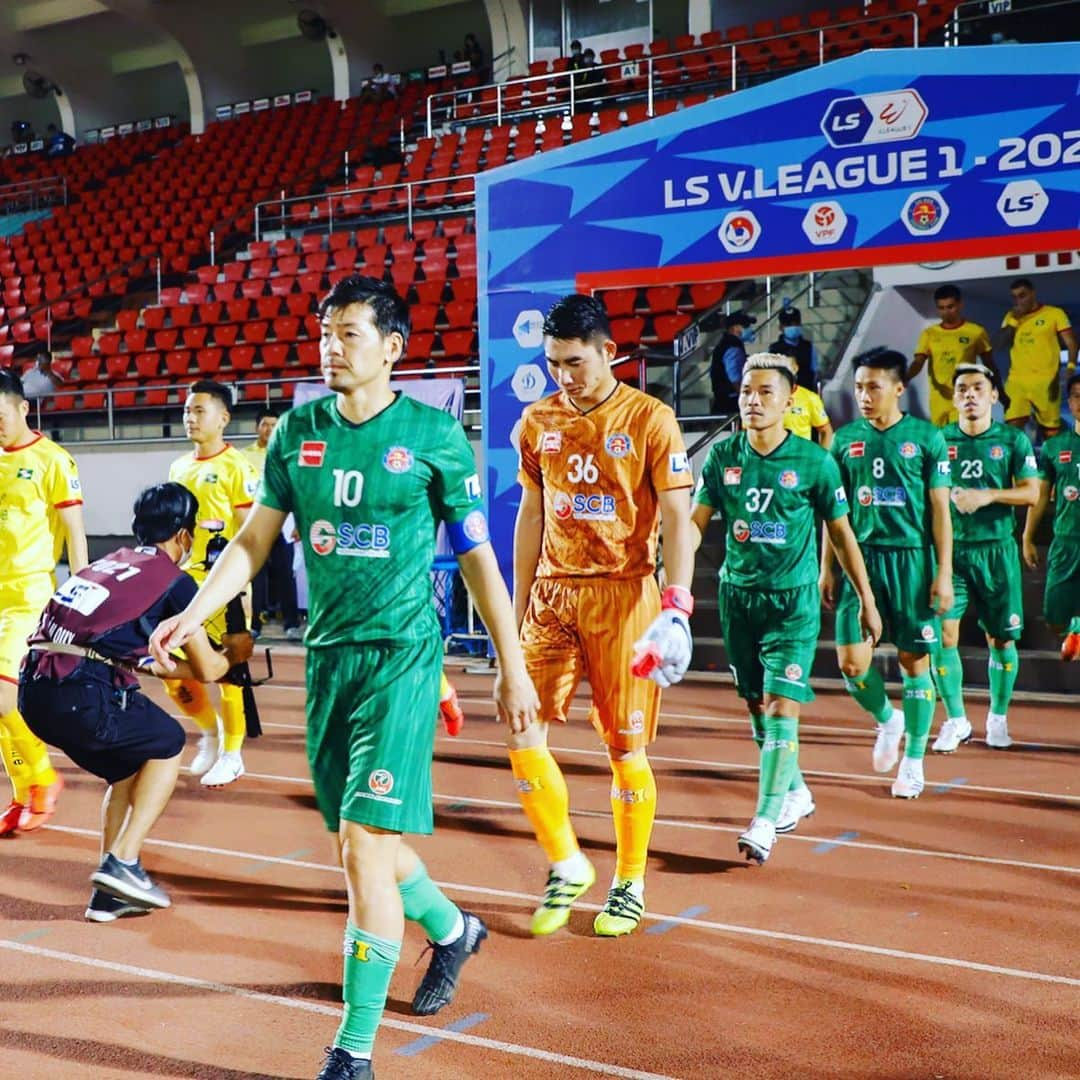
(600, 473)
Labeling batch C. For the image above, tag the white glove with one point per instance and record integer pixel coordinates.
(669, 644)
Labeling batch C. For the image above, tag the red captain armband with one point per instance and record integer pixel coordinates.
(675, 596)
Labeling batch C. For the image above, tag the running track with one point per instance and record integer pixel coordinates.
(884, 939)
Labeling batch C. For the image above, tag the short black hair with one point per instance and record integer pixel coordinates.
(790, 316)
(1022, 283)
(577, 318)
(882, 358)
(162, 511)
(264, 412)
(10, 383)
(389, 312)
(1073, 380)
(948, 292)
(214, 389)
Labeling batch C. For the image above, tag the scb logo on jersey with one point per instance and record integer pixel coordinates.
(759, 532)
(398, 459)
(618, 445)
(881, 496)
(363, 540)
(584, 506)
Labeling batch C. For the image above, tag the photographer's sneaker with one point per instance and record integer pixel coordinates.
(104, 907)
(228, 767)
(207, 753)
(997, 732)
(953, 732)
(887, 743)
(909, 781)
(129, 881)
(797, 805)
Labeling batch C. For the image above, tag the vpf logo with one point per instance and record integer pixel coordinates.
(397, 459)
(824, 223)
(381, 782)
(925, 213)
(739, 231)
(323, 537)
(618, 445)
(563, 505)
(741, 531)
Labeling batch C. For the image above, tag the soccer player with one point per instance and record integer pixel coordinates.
(40, 512)
(993, 470)
(601, 463)
(224, 481)
(896, 468)
(1034, 334)
(945, 345)
(771, 486)
(369, 474)
(276, 577)
(1059, 474)
(78, 692)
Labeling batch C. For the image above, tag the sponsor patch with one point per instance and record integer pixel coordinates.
(398, 459)
(943, 468)
(953, 451)
(789, 479)
(475, 526)
(563, 509)
(550, 442)
(381, 781)
(679, 463)
(732, 475)
(793, 672)
(472, 486)
(1071, 494)
(323, 537)
(865, 496)
(1029, 461)
(618, 444)
(1064, 457)
(927, 633)
(840, 495)
(25, 474)
(312, 454)
(857, 449)
(1014, 619)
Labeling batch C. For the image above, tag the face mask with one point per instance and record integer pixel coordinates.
(792, 333)
(748, 335)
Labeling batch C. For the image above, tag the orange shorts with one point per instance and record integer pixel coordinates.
(577, 627)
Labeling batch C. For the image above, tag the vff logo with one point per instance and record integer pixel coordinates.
(1022, 202)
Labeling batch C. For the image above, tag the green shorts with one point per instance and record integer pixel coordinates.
(989, 575)
(771, 638)
(371, 715)
(1061, 602)
(901, 580)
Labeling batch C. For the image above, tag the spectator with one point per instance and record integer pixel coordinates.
(380, 85)
(591, 77)
(58, 143)
(576, 60)
(475, 55)
(41, 381)
(793, 342)
(728, 358)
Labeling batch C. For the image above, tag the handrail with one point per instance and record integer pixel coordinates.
(32, 188)
(581, 81)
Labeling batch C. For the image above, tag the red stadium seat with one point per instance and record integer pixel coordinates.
(255, 332)
(148, 365)
(274, 356)
(178, 362)
(226, 333)
(242, 357)
(209, 361)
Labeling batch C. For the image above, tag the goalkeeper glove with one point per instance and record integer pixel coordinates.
(663, 653)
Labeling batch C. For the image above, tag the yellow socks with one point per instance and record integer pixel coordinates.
(26, 757)
(633, 805)
(233, 720)
(545, 800)
(192, 700)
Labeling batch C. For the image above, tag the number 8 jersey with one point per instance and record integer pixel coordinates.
(600, 473)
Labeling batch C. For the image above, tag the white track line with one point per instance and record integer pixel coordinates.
(303, 1005)
(702, 924)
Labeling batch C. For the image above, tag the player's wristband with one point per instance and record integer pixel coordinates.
(679, 598)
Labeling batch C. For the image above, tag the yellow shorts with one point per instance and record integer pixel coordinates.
(21, 605)
(215, 625)
(577, 628)
(1027, 396)
(942, 410)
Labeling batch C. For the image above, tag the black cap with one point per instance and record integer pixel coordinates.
(740, 318)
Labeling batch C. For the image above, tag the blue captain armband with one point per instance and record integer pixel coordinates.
(471, 531)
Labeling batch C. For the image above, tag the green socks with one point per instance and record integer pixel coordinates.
(948, 673)
(779, 755)
(1004, 666)
(757, 729)
(868, 690)
(425, 903)
(918, 713)
(369, 963)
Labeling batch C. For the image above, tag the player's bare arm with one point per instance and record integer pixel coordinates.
(941, 589)
(515, 695)
(917, 363)
(849, 555)
(679, 543)
(235, 567)
(824, 435)
(700, 517)
(71, 517)
(528, 537)
(826, 582)
(1031, 524)
(201, 661)
(968, 500)
(1068, 339)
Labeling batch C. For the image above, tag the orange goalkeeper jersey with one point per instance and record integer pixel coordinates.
(600, 473)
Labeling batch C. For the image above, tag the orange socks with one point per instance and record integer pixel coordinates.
(633, 805)
(545, 800)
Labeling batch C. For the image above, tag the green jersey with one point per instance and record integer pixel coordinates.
(1059, 463)
(996, 459)
(889, 475)
(368, 499)
(770, 504)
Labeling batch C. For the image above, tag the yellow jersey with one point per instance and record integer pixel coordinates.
(806, 413)
(256, 454)
(223, 483)
(37, 480)
(946, 348)
(1036, 350)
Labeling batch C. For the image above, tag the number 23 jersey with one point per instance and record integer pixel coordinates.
(600, 473)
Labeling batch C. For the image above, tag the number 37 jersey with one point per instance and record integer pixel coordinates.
(600, 474)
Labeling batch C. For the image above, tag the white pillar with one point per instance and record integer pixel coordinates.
(699, 14)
